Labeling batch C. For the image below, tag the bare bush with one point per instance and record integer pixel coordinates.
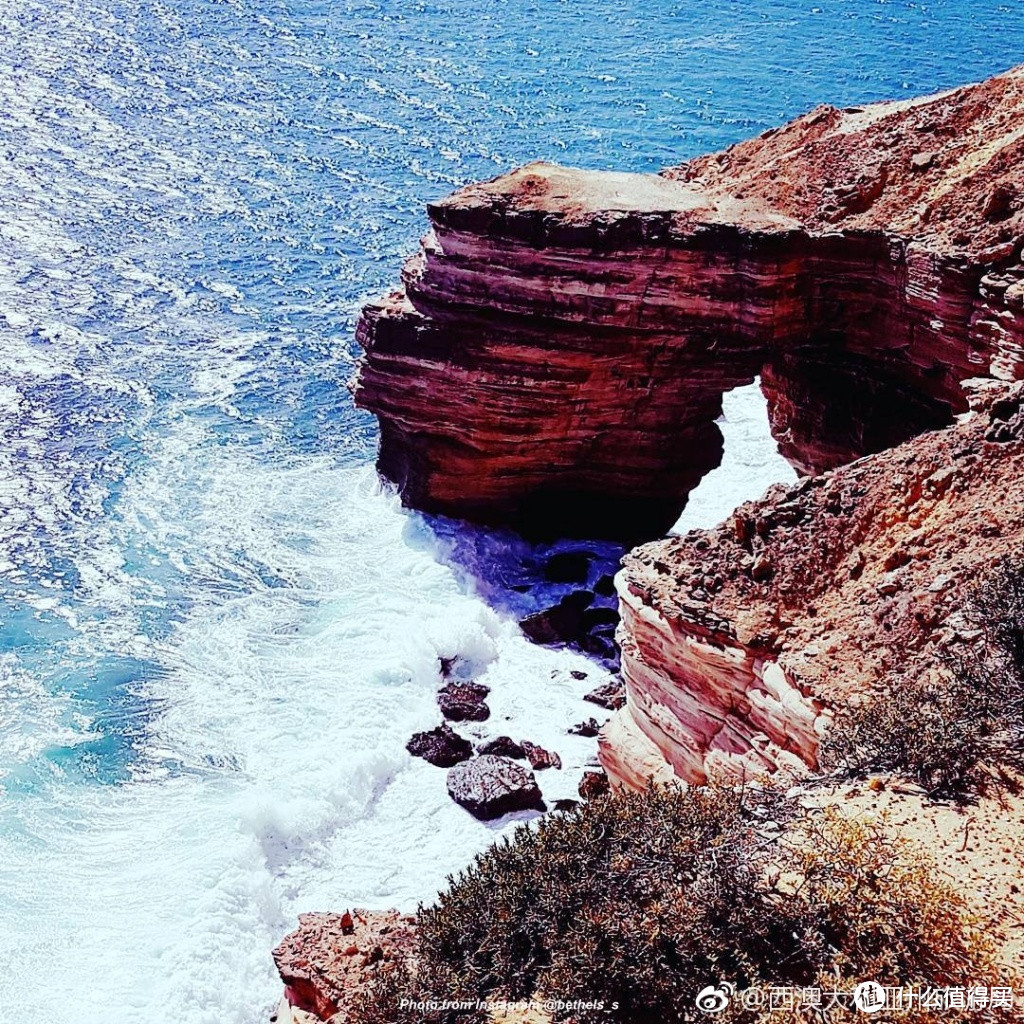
(956, 728)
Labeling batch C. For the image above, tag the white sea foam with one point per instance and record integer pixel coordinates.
(274, 779)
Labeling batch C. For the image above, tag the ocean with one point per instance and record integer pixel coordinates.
(218, 630)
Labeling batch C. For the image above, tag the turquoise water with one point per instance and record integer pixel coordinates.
(217, 631)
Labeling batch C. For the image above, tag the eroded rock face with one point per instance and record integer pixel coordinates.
(558, 352)
(332, 958)
(737, 641)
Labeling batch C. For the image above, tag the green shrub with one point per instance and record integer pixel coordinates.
(640, 901)
(609, 902)
(941, 733)
(953, 730)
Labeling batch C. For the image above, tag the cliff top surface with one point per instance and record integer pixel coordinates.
(548, 191)
(943, 169)
(541, 187)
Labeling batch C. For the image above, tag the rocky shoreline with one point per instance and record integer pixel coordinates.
(556, 360)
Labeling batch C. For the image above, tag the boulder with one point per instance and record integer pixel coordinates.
(489, 787)
(464, 702)
(601, 644)
(595, 618)
(1001, 203)
(587, 728)
(921, 161)
(502, 746)
(540, 758)
(561, 624)
(567, 567)
(441, 746)
(610, 696)
(593, 784)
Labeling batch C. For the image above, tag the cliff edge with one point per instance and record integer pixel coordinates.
(557, 354)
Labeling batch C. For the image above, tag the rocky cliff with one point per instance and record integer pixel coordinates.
(557, 354)
(737, 641)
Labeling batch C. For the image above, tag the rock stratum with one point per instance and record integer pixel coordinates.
(737, 642)
(558, 352)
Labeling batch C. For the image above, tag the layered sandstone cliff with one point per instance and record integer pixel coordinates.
(559, 349)
(557, 357)
(737, 641)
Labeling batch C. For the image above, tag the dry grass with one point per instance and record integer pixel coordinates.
(961, 727)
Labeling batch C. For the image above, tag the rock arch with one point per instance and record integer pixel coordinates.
(558, 352)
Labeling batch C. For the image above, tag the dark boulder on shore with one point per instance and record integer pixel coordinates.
(611, 696)
(593, 784)
(576, 621)
(562, 623)
(502, 746)
(600, 618)
(489, 787)
(540, 758)
(567, 567)
(464, 702)
(588, 728)
(441, 746)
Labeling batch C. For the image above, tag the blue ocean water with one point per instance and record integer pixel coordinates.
(217, 631)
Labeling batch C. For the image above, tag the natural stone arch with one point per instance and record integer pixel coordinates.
(557, 355)
(562, 365)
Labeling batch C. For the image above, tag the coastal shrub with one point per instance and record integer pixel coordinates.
(998, 608)
(957, 728)
(638, 901)
(392, 997)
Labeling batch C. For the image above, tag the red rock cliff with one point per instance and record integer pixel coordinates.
(558, 352)
(737, 641)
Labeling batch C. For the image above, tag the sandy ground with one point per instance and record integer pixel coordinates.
(978, 848)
